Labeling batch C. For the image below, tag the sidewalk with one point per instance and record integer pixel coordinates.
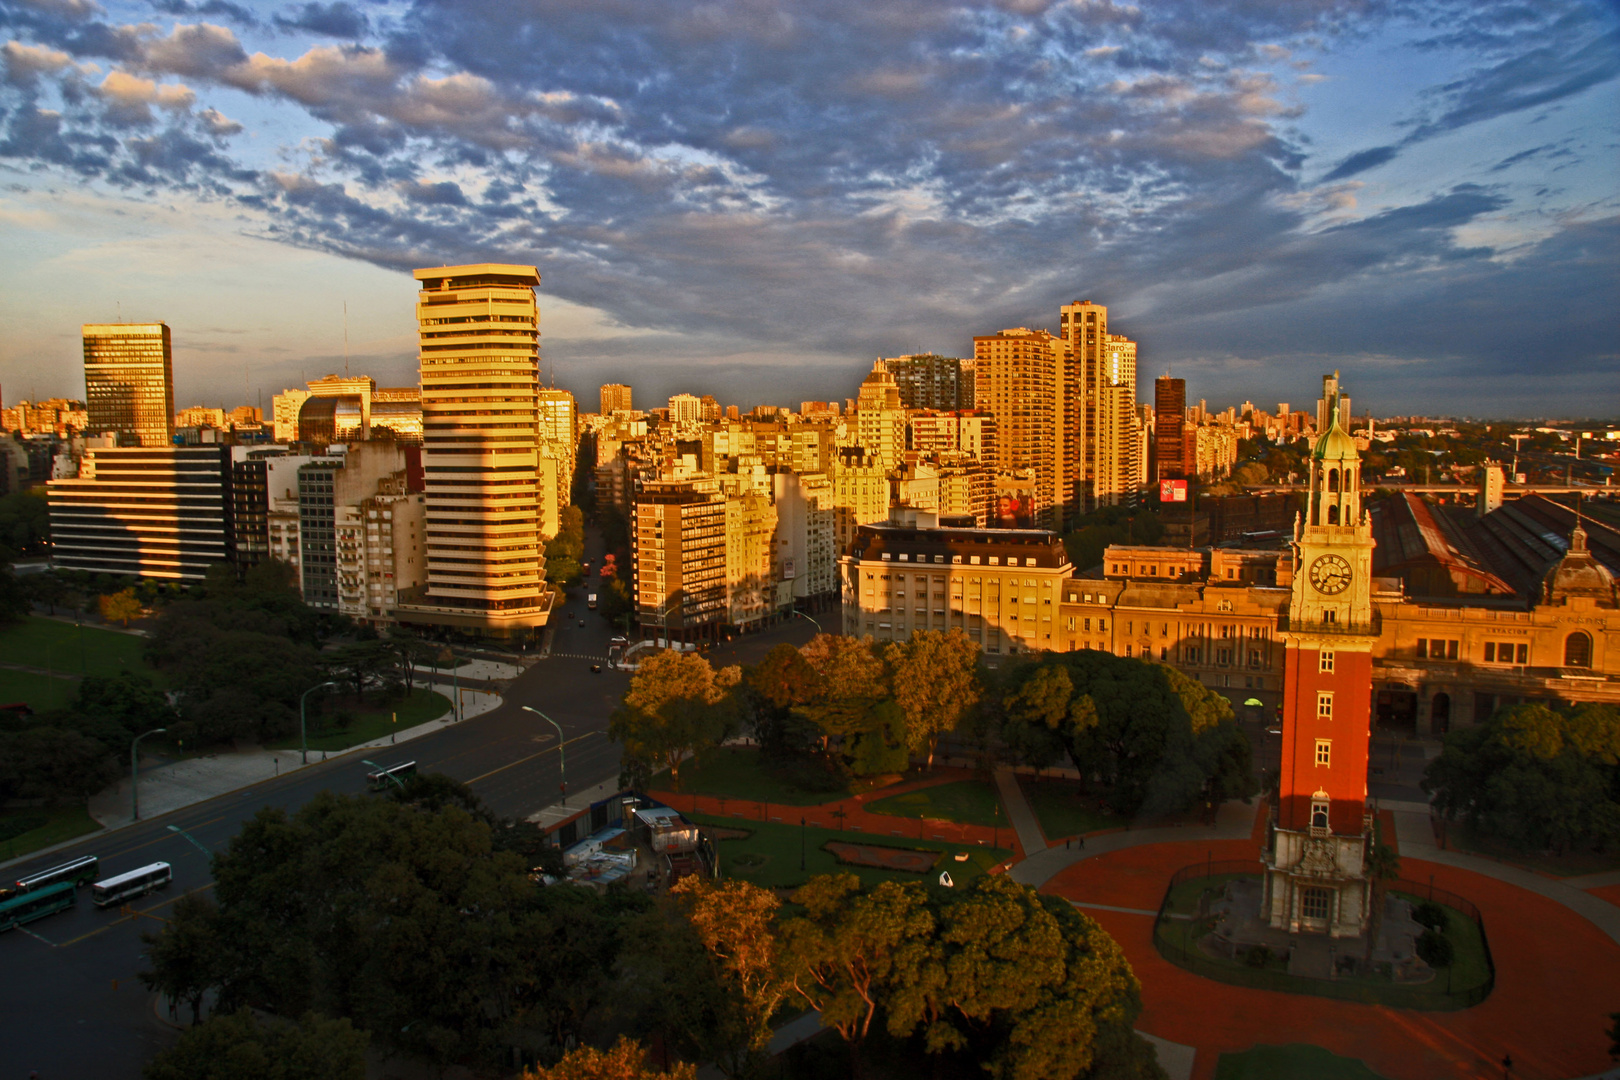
(1233, 821)
(181, 783)
(1030, 836)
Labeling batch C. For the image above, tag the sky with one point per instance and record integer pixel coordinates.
(754, 199)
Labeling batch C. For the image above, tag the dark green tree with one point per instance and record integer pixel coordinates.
(238, 1046)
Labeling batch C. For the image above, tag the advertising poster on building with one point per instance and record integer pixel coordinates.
(1172, 491)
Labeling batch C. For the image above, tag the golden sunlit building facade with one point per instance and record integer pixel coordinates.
(129, 382)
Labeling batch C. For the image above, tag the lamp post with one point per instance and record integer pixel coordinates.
(562, 760)
(807, 618)
(303, 728)
(195, 842)
(801, 842)
(135, 773)
(385, 773)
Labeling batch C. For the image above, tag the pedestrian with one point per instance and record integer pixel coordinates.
(1082, 843)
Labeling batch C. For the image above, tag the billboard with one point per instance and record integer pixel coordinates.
(1172, 491)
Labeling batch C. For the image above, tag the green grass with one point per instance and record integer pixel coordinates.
(39, 691)
(1185, 896)
(967, 802)
(1468, 967)
(51, 645)
(769, 856)
(59, 823)
(1289, 1063)
(422, 706)
(1064, 809)
(736, 772)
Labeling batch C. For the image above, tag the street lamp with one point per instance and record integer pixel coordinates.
(562, 760)
(135, 773)
(807, 618)
(801, 843)
(385, 773)
(303, 729)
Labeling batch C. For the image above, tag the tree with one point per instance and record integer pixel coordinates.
(935, 681)
(185, 957)
(25, 524)
(1535, 776)
(853, 679)
(1027, 986)
(14, 597)
(239, 1047)
(54, 764)
(627, 1060)
(129, 698)
(853, 950)
(121, 607)
(776, 686)
(676, 705)
(359, 663)
(733, 921)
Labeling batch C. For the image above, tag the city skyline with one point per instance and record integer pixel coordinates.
(1257, 195)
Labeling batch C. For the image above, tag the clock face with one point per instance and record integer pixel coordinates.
(1330, 574)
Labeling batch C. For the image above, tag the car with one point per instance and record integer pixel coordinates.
(618, 640)
(582, 624)
(596, 669)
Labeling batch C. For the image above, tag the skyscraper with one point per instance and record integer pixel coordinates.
(479, 331)
(129, 382)
(927, 381)
(1169, 427)
(1105, 436)
(1025, 382)
(880, 419)
(615, 398)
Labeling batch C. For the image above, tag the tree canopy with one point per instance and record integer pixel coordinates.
(237, 1046)
(1535, 776)
(677, 705)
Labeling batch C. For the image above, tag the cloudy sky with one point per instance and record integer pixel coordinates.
(754, 198)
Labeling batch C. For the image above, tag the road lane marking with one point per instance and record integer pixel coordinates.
(166, 836)
(531, 757)
(131, 918)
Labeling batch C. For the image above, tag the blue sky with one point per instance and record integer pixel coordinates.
(753, 199)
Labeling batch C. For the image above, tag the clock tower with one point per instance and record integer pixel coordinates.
(1321, 831)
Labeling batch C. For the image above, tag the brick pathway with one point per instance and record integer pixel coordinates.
(1555, 981)
(857, 818)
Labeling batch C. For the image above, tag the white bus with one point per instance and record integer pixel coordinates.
(113, 890)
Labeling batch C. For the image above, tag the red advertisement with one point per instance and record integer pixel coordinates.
(1172, 491)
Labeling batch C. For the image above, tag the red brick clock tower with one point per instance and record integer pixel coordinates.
(1321, 830)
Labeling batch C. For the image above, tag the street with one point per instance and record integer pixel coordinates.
(69, 995)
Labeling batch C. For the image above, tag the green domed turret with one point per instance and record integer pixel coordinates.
(1335, 443)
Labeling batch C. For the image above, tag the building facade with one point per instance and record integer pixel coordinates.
(1003, 588)
(163, 513)
(678, 533)
(927, 381)
(615, 397)
(129, 382)
(479, 350)
(1027, 384)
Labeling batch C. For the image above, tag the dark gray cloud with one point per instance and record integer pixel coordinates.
(759, 177)
(336, 19)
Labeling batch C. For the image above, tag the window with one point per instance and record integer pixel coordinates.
(1578, 650)
(1330, 616)
(1324, 752)
(1102, 624)
(1319, 813)
(1088, 626)
(1324, 663)
(1324, 706)
(1316, 902)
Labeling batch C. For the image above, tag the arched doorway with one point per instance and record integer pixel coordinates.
(1578, 649)
(1440, 714)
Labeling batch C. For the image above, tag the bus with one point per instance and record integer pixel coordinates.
(79, 871)
(382, 781)
(128, 886)
(590, 601)
(37, 903)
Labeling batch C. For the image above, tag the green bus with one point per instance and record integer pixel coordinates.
(393, 776)
(36, 904)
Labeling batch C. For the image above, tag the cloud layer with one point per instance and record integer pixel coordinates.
(782, 180)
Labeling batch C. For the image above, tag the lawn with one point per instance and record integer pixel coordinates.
(55, 646)
(769, 855)
(1065, 809)
(39, 691)
(31, 829)
(967, 802)
(737, 772)
(1289, 1062)
(422, 706)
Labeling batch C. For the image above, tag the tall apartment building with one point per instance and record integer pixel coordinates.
(685, 409)
(129, 382)
(559, 440)
(1026, 383)
(750, 558)
(479, 348)
(615, 398)
(806, 540)
(1105, 365)
(860, 494)
(162, 512)
(380, 550)
(678, 530)
(967, 432)
(1170, 429)
(329, 490)
(880, 419)
(927, 381)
